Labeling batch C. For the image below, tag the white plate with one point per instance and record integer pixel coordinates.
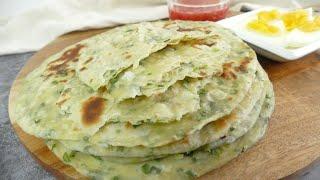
(261, 44)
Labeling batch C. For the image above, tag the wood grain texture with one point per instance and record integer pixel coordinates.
(292, 141)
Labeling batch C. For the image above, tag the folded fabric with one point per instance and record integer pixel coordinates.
(35, 28)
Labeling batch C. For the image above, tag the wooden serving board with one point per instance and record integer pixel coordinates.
(292, 141)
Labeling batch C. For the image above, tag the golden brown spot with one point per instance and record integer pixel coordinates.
(61, 102)
(91, 110)
(186, 29)
(128, 125)
(243, 67)
(83, 68)
(60, 65)
(234, 76)
(205, 30)
(87, 61)
(72, 71)
(185, 140)
(227, 65)
(204, 42)
(128, 56)
(102, 90)
(63, 81)
(202, 73)
(76, 129)
(221, 123)
(202, 29)
(67, 56)
(227, 71)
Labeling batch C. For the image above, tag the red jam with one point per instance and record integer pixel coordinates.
(204, 13)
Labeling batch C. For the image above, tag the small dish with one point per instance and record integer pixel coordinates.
(199, 10)
(268, 46)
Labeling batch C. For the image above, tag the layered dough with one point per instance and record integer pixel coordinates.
(153, 100)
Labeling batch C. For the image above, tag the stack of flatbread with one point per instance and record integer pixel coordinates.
(154, 100)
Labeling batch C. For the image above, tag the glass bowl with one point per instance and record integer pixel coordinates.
(198, 10)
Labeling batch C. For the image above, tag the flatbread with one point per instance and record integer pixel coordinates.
(55, 104)
(242, 117)
(179, 166)
(152, 100)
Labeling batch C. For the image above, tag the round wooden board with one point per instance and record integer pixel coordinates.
(292, 141)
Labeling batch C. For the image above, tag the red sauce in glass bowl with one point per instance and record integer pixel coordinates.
(198, 12)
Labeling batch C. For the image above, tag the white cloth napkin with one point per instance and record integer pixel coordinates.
(35, 28)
